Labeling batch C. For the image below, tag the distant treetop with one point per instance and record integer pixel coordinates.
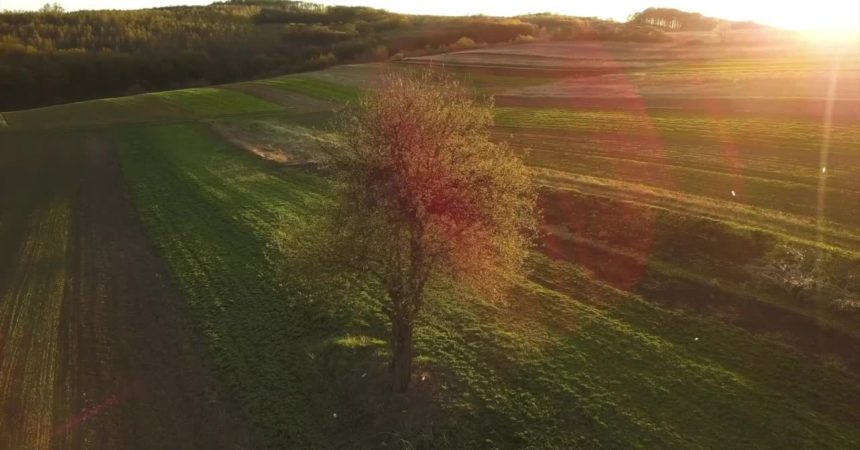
(674, 20)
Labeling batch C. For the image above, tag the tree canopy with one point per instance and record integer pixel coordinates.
(675, 19)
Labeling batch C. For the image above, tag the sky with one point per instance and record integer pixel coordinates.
(834, 15)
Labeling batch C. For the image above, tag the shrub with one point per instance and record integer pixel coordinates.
(464, 43)
(808, 274)
(323, 60)
(524, 39)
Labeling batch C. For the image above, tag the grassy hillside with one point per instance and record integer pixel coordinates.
(650, 319)
(580, 364)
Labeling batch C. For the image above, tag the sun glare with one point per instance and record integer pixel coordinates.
(825, 17)
(828, 20)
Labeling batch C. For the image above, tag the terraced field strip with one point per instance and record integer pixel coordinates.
(204, 102)
(270, 97)
(838, 206)
(842, 111)
(570, 362)
(561, 149)
(357, 76)
(714, 158)
(793, 228)
(315, 88)
(172, 106)
(797, 135)
(730, 67)
(139, 108)
(289, 100)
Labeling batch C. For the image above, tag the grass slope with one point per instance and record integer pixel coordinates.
(571, 362)
(315, 88)
(761, 132)
(149, 107)
(216, 102)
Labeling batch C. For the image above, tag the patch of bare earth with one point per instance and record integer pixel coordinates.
(274, 140)
(110, 362)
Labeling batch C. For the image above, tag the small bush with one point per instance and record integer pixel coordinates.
(322, 61)
(811, 275)
(464, 43)
(524, 39)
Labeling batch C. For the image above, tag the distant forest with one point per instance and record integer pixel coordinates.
(51, 56)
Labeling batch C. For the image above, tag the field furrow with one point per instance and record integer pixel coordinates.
(30, 324)
(93, 349)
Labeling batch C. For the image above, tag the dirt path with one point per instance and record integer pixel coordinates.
(93, 351)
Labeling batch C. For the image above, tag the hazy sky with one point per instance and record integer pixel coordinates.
(821, 14)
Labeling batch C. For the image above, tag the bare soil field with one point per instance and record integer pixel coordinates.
(95, 353)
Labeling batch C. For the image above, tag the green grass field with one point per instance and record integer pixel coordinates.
(216, 102)
(573, 361)
(95, 113)
(798, 135)
(645, 323)
(314, 87)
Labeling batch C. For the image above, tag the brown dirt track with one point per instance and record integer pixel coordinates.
(91, 331)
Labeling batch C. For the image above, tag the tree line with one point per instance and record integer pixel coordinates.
(671, 19)
(51, 56)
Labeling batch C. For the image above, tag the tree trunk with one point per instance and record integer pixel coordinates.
(401, 355)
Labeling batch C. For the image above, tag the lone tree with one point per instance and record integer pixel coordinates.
(422, 196)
